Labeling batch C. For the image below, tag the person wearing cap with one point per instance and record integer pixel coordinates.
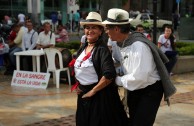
(98, 102)
(145, 76)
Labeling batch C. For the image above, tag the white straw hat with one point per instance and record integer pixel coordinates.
(92, 18)
(117, 17)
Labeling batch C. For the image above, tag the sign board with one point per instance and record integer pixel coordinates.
(30, 79)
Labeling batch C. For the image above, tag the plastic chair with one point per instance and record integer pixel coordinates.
(51, 56)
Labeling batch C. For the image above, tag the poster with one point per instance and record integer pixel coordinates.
(30, 79)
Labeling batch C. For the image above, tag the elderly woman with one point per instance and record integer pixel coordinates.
(98, 102)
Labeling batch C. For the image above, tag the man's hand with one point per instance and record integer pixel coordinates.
(11, 44)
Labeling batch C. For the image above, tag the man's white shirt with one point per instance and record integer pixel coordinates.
(138, 66)
(45, 39)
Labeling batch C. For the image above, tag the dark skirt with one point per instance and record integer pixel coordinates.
(103, 109)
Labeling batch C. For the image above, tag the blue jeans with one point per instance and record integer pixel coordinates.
(12, 56)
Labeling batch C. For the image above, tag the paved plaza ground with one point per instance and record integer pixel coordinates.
(56, 107)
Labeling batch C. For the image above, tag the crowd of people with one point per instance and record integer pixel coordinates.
(143, 68)
(23, 36)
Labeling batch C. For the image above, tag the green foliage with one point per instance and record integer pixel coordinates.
(69, 45)
(185, 48)
(146, 24)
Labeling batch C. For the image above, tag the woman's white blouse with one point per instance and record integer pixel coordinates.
(85, 73)
(138, 66)
(165, 43)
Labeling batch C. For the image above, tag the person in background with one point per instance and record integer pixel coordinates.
(46, 38)
(62, 34)
(77, 19)
(144, 75)
(7, 20)
(12, 36)
(98, 102)
(54, 21)
(175, 19)
(21, 18)
(140, 28)
(71, 21)
(16, 46)
(29, 40)
(83, 40)
(59, 17)
(166, 43)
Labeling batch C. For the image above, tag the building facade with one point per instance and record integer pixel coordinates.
(41, 8)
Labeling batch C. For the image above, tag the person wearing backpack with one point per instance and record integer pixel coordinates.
(46, 39)
(29, 40)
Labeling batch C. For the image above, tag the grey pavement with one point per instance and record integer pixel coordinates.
(56, 107)
(21, 106)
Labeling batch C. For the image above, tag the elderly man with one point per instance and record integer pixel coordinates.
(145, 76)
(46, 38)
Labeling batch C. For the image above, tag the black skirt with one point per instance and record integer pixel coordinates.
(103, 109)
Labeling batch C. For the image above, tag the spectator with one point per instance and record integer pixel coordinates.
(16, 46)
(59, 17)
(12, 36)
(71, 21)
(83, 40)
(54, 21)
(29, 40)
(21, 18)
(62, 34)
(77, 19)
(166, 43)
(140, 28)
(46, 38)
(175, 18)
(7, 20)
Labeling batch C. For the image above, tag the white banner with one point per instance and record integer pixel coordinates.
(30, 79)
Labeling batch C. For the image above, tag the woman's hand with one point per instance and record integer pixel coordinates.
(78, 90)
(89, 94)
